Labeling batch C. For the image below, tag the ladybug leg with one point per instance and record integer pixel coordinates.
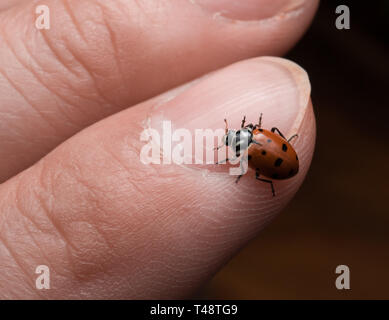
(244, 158)
(292, 137)
(225, 160)
(237, 155)
(219, 147)
(278, 131)
(265, 180)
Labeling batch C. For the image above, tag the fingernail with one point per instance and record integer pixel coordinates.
(249, 9)
(275, 87)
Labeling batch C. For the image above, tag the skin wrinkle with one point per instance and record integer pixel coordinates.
(87, 269)
(60, 110)
(17, 261)
(8, 276)
(69, 11)
(33, 107)
(95, 225)
(94, 80)
(80, 61)
(60, 59)
(21, 210)
(84, 270)
(56, 54)
(83, 266)
(48, 214)
(19, 90)
(62, 237)
(42, 82)
(113, 40)
(97, 208)
(71, 250)
(36, 243)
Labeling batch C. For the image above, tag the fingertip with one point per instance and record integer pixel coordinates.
(276, 87)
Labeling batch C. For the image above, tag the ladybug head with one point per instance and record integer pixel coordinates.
(238, 140)
(229, 138)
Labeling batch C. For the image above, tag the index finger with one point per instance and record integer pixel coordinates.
(99, 57)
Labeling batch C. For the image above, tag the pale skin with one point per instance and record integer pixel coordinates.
(82, 203)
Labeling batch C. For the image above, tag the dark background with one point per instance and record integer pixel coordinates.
(341, 214)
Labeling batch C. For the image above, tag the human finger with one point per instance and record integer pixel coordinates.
(99, 57)
(110, 226)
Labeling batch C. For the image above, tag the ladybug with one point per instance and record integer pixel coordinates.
(269, 153)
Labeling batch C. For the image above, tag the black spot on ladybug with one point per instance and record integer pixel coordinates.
(260, 130)
(249, 157)
(278, 162)
(264, 153)
(274, 176)
(291, 172)
(284, 147)
(269, 140)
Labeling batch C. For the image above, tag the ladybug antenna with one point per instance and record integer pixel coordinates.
(243, 121)
(260, 121)
(225, 120)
